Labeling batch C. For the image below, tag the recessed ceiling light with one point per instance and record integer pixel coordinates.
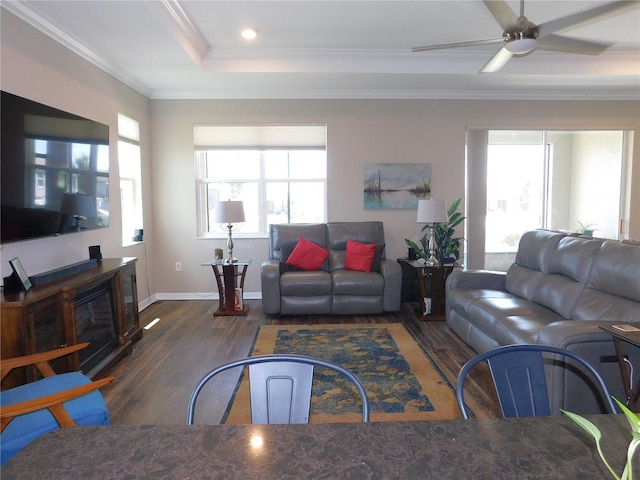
(249, 33)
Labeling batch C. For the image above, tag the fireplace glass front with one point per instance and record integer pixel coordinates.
(95, 323)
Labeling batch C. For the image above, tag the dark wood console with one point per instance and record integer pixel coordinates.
(99, 305)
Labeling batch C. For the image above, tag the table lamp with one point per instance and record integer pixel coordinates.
(432, 211)
(229, 212)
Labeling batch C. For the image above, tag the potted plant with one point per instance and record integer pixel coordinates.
(634, 445)
(447, 245)
(586, 229)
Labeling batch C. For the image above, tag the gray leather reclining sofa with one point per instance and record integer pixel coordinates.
(332, 289)
(558, 292)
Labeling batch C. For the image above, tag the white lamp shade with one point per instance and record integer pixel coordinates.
(431, 211)
(229, 212)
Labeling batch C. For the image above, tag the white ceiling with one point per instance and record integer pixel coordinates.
(335, 49)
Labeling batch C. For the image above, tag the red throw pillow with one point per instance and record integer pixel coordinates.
(359, 256)
(307, 255)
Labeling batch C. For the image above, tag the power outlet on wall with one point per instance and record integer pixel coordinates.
(178, 266)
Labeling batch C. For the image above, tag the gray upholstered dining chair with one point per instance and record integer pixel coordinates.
(520, 382)
(280, 387)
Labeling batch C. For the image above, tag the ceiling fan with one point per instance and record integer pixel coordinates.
(521, 36)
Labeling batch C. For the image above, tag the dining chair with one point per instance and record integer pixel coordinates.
(519, 378)
(55, 401)
(280, 387)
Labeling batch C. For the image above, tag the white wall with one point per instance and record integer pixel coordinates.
(359, 132)
(35, 67)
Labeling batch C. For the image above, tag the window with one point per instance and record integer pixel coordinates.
(129, 163)
(562, 180)
(279, 173)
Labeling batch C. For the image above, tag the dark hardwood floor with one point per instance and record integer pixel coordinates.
(153, 384)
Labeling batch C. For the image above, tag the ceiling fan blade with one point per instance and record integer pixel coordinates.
(557, 43)
(584, 18)
(471, 43)
(503, 14)
(498, 61)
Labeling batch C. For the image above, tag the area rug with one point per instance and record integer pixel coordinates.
(400, 379)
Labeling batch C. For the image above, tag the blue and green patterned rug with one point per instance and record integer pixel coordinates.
(401, 381)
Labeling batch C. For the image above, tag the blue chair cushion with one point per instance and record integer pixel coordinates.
(90, 409)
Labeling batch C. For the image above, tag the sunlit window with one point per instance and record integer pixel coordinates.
(129, 163)
(563, 180)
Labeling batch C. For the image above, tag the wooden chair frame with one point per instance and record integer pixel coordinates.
(51, 402)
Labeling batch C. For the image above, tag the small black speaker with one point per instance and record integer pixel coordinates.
(95, 253)
(12, 283)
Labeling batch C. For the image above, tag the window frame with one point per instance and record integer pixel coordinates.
(129, 134)
(262, 182)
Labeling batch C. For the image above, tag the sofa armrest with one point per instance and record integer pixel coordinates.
(476, 279)
(270, 282)
(391, 271)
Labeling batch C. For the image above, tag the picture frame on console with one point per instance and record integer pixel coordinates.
(20, 273)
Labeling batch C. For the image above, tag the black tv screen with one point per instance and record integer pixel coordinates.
(54, 171)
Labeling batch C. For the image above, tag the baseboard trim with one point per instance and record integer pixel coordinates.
(201, 296)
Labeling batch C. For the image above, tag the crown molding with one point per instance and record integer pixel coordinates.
(182, 28)
(373, 94)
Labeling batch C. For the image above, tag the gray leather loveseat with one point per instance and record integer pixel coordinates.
(331, 289)
(558, 292)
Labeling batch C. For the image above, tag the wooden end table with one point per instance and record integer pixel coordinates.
(230, 281)
(432, 279)
(632, 337)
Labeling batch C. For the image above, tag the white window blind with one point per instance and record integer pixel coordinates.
(259, 136)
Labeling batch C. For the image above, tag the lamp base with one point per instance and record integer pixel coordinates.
(432, 261)
(230, 258)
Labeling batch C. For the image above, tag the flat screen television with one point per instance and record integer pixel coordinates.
(54, 171)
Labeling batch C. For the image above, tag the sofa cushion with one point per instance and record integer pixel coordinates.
(90, 409)
(359, 256)
(462, 298)
(536, 249)
(613, 289)
(317, 305)
(281, 235)
(305, 284)
(351, 282)
(532, 261)
(285, 252)
(522, 281)
(307, 255)
(567, 274)
(486, 312)
(364, 232)
(574, 256)
(522, 328)
(616, 270)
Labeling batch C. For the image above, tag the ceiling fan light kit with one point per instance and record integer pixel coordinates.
(521, 46)
(521, 36)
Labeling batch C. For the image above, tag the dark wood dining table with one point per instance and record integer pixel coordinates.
(528, 448)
